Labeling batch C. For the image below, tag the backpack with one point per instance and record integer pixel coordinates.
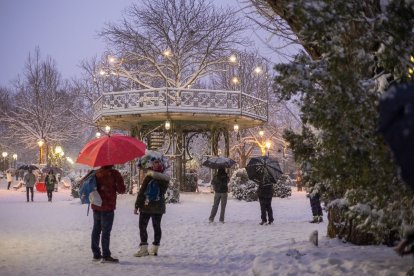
(88, 192)
(152, 192)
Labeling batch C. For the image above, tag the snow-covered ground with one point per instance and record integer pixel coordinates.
(43, 238)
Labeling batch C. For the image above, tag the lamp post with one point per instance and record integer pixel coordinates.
(40, 143)
(15, 160)
(4, 154)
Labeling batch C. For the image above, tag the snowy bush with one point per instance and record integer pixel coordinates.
(283, 187)
(241, 187)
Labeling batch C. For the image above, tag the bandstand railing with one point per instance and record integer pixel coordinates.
(173, 100)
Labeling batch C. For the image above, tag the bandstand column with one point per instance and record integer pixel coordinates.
(178, 153)
(226, 143)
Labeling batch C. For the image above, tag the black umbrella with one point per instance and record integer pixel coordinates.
(217, 162)
(55, 170)
(263, 170)
(397, 126)
(28, 167)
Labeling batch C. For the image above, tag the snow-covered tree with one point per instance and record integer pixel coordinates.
(242, 187)
(41, 106)
(171, 43)
(353, 49)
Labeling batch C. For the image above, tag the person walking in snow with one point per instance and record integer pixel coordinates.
(265, 193)
(109, 182)
(50, 182)
(150, 204)
(29, 180)
(220, 184)
(9, 177)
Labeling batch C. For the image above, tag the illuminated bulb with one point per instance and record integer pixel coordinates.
(257, 70)
(167, 125)
(233, 58)
(107, 129)
(235, 80)
(236, 127)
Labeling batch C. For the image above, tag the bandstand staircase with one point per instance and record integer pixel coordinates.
(156, 140)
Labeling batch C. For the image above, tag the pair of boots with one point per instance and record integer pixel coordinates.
(317, 219)
(143, 251)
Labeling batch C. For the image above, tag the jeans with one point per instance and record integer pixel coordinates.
(266, 207)
(156, 224)
(27, 193)
(217, 198)
(102, 223)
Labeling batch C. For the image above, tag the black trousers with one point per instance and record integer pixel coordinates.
(156, 224)
(102, 223)
(316, 206)
(27, 193)
(266, 209)
(49, 194)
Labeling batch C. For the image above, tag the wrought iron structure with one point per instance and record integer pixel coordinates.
(143, 113)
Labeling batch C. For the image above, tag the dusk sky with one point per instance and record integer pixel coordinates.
(63, 30)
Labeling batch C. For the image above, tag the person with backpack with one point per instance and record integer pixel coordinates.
(109, 182)
(220, 184)
(150, 204)
(50, 182)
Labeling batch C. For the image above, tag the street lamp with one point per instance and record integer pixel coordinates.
(58, 149)
(40, 143)
(4, 154)
(15, 159)
(268, 144)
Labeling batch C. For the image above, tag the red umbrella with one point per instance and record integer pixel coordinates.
(110, 150)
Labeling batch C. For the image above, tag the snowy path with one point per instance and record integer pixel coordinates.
(43, 238)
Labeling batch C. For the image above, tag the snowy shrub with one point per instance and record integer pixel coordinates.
(283, 187)
(242, 188)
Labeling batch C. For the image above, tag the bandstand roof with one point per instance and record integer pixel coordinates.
(193, 109)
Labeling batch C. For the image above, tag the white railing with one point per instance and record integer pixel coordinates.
(173, 100)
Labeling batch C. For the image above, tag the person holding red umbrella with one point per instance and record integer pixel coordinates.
(106, 152)
(109, 182)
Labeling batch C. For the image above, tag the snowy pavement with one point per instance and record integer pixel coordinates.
(43, 238)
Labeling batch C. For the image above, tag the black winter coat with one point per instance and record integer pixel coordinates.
(153, 207)
(220, 182)
(265, 190)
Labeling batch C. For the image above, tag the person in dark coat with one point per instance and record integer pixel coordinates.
(29, 180)
(265, 193)
(151, 209)
(109, 182)
(220, 183)
(50, 182)
(316, 207)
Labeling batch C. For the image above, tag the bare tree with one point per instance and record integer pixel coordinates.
(171, 42)
(41, 107)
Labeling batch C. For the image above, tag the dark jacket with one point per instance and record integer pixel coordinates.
(153, 207)
(265, 190)
(50, 182)
(109, 182)
(220, 181)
